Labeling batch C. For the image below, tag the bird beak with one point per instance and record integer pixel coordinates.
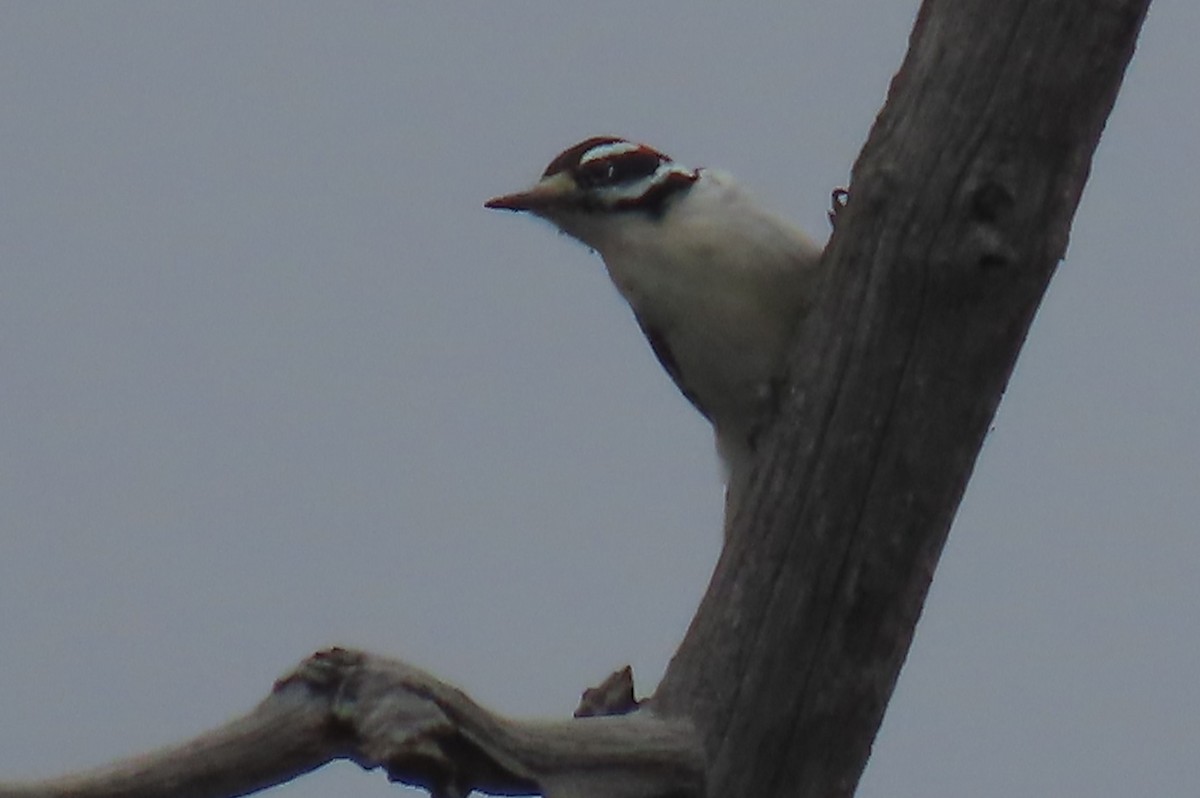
(541, 196)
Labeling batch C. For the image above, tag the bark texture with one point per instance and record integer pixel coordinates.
(381, 713)
(959, 211)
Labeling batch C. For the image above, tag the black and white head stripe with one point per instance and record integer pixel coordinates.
(617, 174)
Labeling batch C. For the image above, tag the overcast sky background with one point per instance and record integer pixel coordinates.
(273, 379)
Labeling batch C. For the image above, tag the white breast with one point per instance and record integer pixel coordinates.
(723, 283)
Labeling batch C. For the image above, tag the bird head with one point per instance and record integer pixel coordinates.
(599, 181)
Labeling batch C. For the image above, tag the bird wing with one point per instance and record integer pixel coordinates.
(662, 350)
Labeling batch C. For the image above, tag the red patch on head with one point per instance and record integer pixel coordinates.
(568, 159)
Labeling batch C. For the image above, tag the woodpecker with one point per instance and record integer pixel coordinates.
(716, 283)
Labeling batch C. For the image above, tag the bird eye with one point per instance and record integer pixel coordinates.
(622, 168)
(595, 174)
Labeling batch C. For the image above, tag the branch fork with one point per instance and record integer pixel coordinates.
(379, 712)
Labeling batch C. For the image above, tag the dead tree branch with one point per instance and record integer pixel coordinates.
(342, 704)
(959, 211)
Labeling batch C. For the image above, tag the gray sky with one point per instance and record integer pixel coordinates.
(274, 379)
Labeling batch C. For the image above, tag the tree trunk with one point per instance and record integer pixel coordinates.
(959, 211)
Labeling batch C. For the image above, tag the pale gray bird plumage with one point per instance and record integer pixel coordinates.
(717, 283)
